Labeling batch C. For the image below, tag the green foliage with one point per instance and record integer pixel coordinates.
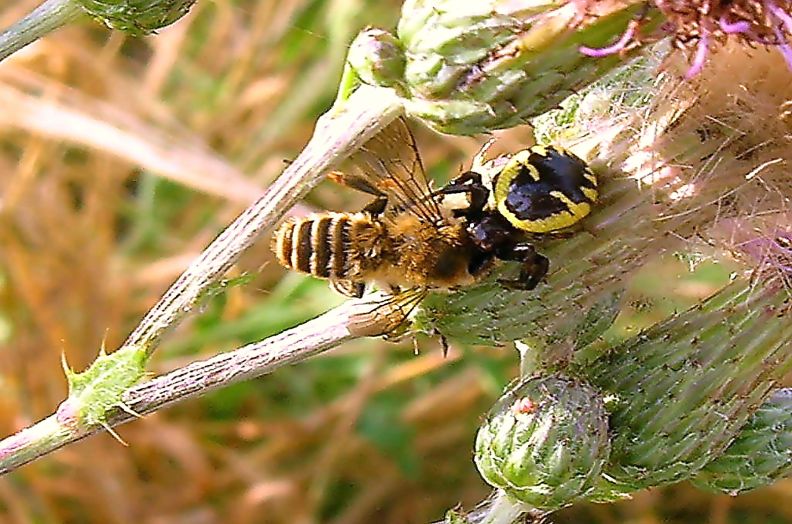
(382, 424)
(150, 209)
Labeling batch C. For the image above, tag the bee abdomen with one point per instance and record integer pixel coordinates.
(318, 245)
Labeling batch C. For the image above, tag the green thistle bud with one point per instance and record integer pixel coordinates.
(687, 386)
(377, 58)
(545, 442)
(477, 66)
(760, 455)
(137, 17)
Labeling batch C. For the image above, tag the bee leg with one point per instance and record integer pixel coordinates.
(348, 288)
(376, 207)
(354, 182)
(534, 266)
(360, 288)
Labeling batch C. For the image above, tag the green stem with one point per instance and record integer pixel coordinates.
(503, 510)
(499, 508)
(67, 425)
(46, 18)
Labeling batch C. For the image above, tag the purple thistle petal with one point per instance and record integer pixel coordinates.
(781, 14)
(612, 49)
(701, 55)
(730, 28)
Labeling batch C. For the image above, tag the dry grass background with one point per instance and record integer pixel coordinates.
(120, 159)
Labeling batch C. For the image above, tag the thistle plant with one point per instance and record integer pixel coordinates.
(761, 453)
(691, 397)
(694, 169)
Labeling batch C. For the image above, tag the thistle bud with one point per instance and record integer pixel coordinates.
(760, 455)
(545, 442)
(377, 58)
(137, 17)
(471, 67)
(477, 66)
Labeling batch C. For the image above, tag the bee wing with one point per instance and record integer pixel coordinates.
(389, 165)
(388, 314)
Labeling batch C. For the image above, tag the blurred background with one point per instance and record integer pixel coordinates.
(120, 160)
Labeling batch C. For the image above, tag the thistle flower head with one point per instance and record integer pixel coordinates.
(545, 442)
(700, 25)
(377, 57)
(471, 67)
(760, 455)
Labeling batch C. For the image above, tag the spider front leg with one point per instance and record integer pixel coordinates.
(533, 270)
(469, 183)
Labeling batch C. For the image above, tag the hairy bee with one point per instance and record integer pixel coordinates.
(403, 239)
(413, 237)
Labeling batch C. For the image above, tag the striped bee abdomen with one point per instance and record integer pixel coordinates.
(324, 245)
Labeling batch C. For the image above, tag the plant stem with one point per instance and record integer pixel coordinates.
(46, 18)
(499, 508)
(338, 133)
(311, 338)
(503, 510)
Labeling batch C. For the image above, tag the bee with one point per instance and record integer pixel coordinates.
(411, 237)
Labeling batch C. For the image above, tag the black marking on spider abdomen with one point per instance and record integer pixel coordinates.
(531, 199)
